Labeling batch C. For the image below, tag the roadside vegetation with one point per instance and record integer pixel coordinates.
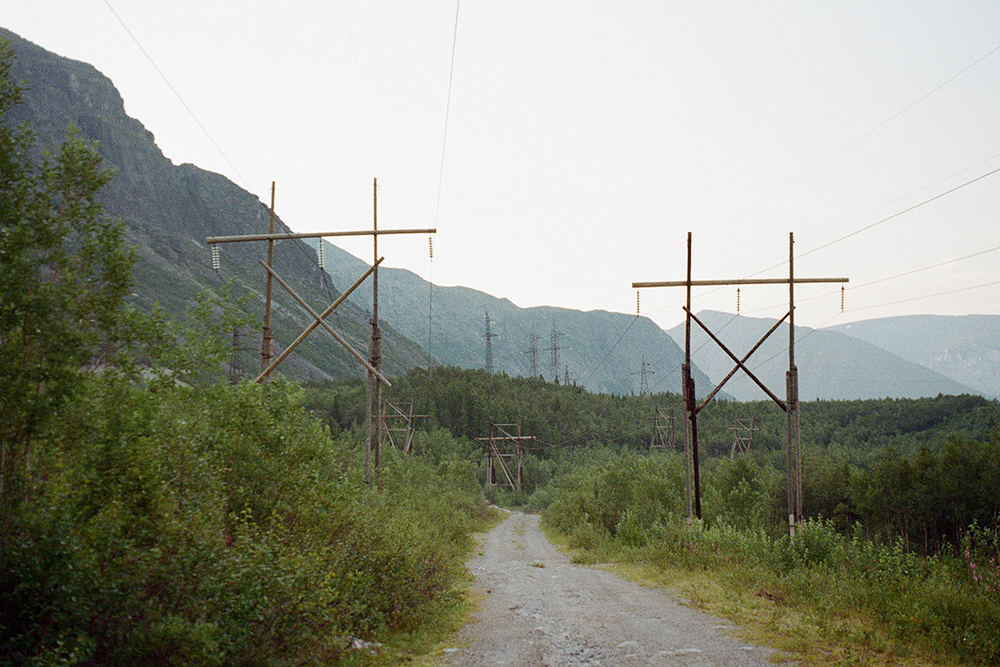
(150, 513)
(897, 563)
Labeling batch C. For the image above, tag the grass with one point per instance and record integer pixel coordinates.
(805, 614)
(423, 647)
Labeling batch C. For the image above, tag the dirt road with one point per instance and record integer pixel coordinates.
(537, 608)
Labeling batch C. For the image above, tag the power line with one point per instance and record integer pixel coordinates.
(601, 363)
(361, 88)
(447, 112)
(886, 219)
(929, 296)
(859, 139)
(887, 278)
(896, 215)
(863, 229)
(179, 98)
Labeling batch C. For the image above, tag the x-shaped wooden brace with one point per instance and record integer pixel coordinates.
(320, 320)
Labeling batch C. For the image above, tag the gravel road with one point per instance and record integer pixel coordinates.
(537, 608)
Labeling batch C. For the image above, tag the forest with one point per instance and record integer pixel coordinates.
(898, 561)
(921, 470)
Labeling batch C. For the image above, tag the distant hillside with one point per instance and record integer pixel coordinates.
(602, 351)
(831, 365)
(169, 209)
(965, 349)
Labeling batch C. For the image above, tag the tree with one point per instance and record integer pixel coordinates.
(65, 271)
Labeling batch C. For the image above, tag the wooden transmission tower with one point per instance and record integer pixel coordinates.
(743, 430)
(790, 405)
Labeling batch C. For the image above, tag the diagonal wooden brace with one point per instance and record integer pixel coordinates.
(743, 360)
(320, 320)
(781, 404)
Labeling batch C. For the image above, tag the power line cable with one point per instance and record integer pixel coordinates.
(447, 111)
(896, 215)
(883, 220)
(854, 233)
(928, 296)
(361, 88)
(898, 275)
(179, 98)
(859, 139)
(437, 206)
(613, 347)
(194, 86)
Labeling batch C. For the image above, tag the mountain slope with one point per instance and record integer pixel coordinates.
(169, 209)
(831, 365)
(965, 348)
(602, 351)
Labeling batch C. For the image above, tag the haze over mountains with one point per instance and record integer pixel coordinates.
(831, 365)
(966, 349)
(169, 210)
(599, 350)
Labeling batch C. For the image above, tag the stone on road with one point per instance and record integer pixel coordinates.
(536, 608)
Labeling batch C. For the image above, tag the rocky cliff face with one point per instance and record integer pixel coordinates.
(169, 209)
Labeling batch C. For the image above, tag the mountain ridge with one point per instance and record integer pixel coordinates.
(168, 210)
(965, 348)
(600, 350)
(831, 365)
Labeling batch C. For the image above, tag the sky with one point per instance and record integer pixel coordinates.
(564, 149)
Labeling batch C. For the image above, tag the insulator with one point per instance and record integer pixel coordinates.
(215, 256)
(319, 254)
(637, 302)
(737, 300)
(430, 246)
(841, 298)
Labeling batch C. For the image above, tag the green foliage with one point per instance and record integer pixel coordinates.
(464, 402)
(220, 525)
(65, 272)
(851, 589)
(616, 497)
(157, 518)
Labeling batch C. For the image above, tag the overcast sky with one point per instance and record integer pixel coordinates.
(585, 139)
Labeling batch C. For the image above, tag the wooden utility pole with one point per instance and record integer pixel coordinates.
(742, 436)
(495, 457)
(373, 363)
(663, 429)
(789, 405)
(265, 346)
(319, 320)
(406, 419)
(373, 392)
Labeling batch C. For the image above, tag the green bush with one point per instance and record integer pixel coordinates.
(220, 526)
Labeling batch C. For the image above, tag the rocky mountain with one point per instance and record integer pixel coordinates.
(831, 364)
(170, 209)
(599, 350)
(963, 348)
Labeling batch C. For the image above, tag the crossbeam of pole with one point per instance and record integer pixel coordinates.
(274, 364)
(737, 281)
(312, 235)
(323, 323)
